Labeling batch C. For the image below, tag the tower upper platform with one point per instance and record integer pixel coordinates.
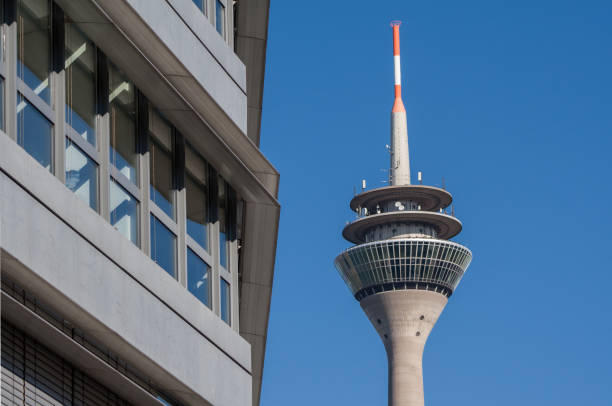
(430, 198)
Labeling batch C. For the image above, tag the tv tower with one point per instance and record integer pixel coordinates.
(403, 267)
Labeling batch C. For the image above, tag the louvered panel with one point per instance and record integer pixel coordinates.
(44, 373)
(94, 393)
(12, 366)
(32, 375)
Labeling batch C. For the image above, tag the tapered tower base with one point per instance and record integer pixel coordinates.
(404, 319)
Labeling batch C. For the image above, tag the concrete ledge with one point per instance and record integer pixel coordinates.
(70, 248)
(76, 354)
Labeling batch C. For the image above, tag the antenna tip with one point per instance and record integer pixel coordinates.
(396, 23)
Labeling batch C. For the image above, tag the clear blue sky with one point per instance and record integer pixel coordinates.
(510, 102)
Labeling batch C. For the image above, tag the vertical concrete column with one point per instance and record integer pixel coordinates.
(103, 131)
(58, 94)
(404, 319)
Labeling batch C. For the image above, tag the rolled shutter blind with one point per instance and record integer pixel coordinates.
(34, 375)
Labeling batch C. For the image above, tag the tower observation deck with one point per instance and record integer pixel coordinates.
(403, 268)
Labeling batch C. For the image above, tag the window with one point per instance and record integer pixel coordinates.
(222, 214)
(161, 168)
(34, 46)
(196, 195)
(220, 17)
(198, 277)
(224, 297)
(80, 81)
(163, 246)
(123, 154)
(123, 212)
(34, 133)
(201, 4)
(81, 175)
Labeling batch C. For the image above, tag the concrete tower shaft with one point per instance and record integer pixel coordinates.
(400, 158)
(404, 319)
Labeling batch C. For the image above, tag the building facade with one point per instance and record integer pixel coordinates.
(138, 217)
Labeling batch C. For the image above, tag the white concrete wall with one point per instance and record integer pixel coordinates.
(76, 262)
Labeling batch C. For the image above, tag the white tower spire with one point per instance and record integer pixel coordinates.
(400, 159)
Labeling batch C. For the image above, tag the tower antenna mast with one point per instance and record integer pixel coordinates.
(400, 159)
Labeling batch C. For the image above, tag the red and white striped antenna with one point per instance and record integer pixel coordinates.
(400, 158)
(397, 105)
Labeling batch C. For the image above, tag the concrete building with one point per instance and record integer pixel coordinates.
(403, 267)
(138, 217)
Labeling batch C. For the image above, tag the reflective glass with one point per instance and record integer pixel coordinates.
(123, 212)
(163, 246)
(162, 193)
(80, 83)
(222, 212)
(360, 269)
(34, 45)
(34, 133)
(195, 191)
(220, 17)
(198, 277)
(160, 164)
(225, 309)
(81, 175)
(123, 153)
(200, 4)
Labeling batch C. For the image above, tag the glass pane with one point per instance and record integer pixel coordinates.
(222, 210)
(123, 125)
(200, 4)
(195, 191)
(225, 301)
(196, 211)
(198, 277)
(123, 212)
(162, 193)
(163, 244)
(81, 175)
(80, 83)
(34, 133)
(34, 45)
(220, 18)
